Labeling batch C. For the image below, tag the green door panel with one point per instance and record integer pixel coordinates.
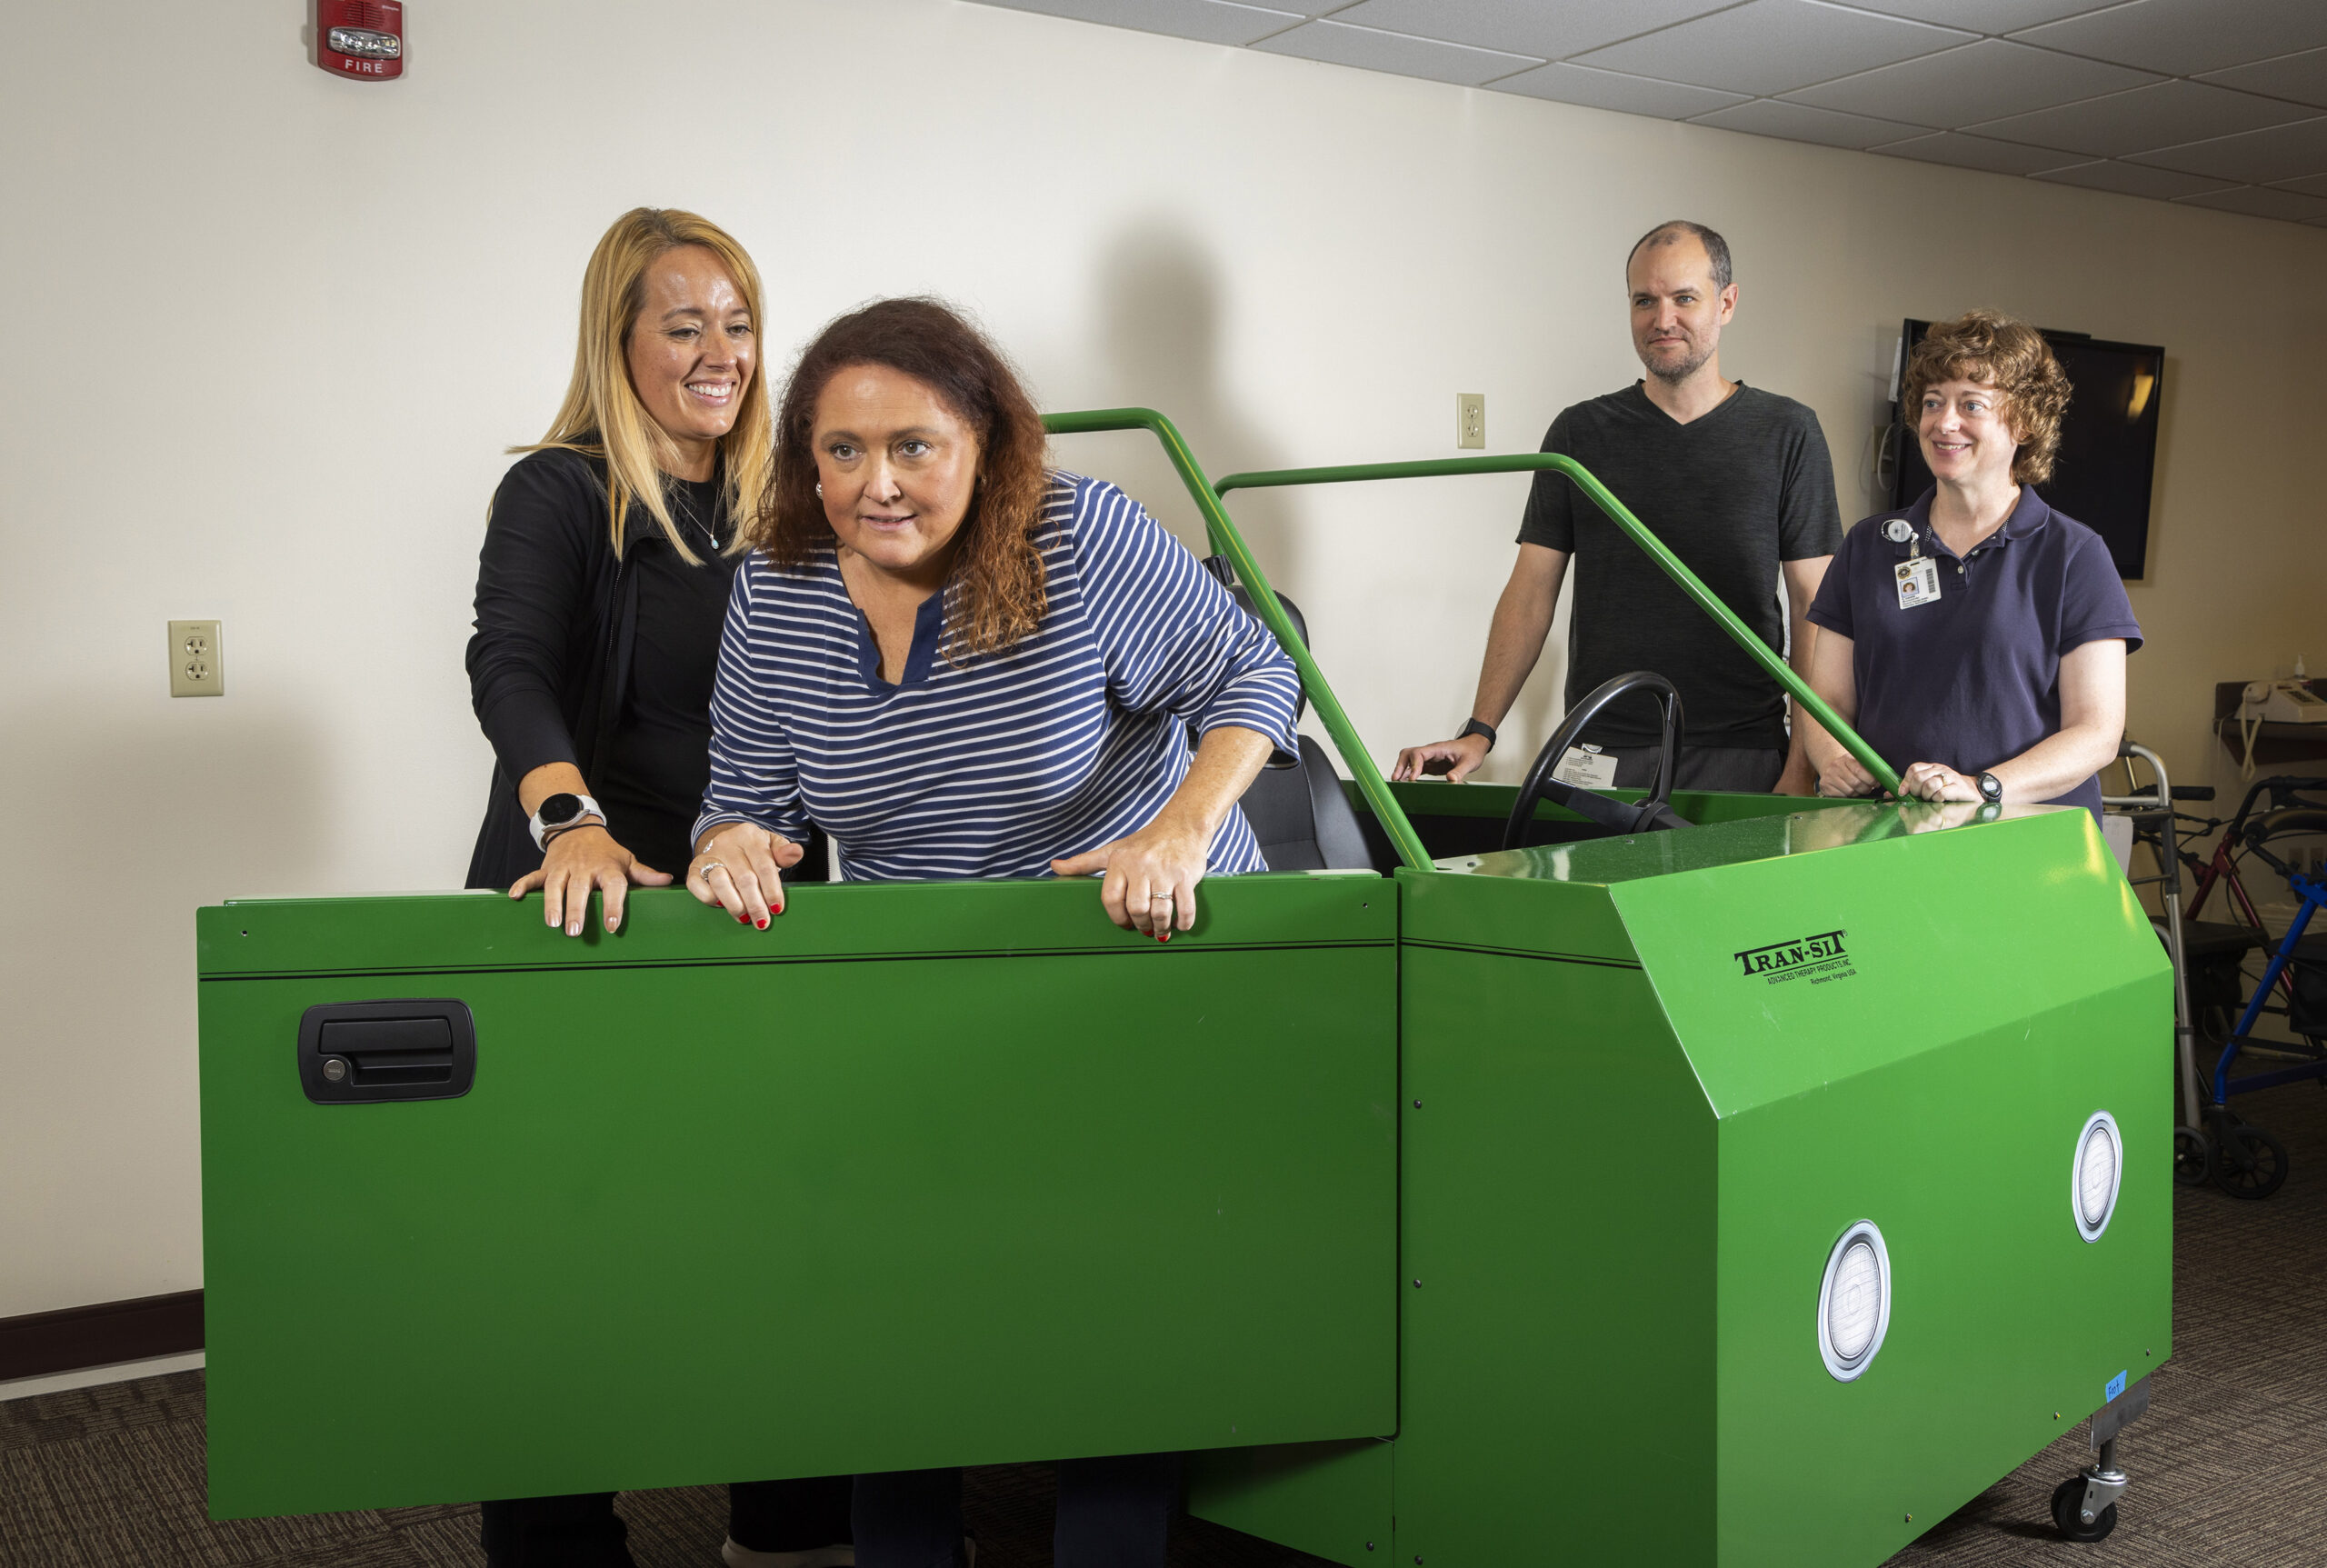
(441, 932)
(714, 1211)
(1558, 1204)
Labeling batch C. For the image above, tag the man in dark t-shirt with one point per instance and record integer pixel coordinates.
(1736, 481)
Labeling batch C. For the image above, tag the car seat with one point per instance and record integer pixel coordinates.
(1296, 805)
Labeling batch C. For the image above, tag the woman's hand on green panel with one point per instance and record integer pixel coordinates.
(577, 860)
(1937, 780)
(739, 866)
(1151, 876)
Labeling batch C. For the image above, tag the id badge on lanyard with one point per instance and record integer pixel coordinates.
(1918, 574)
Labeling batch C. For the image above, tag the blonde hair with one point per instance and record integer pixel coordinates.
(602, 417)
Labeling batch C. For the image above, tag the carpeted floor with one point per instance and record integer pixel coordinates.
(2229, 1468)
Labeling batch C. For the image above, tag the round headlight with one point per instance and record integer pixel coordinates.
(1854, 1301)
(2094, 1177)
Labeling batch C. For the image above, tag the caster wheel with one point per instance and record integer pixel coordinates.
(2249, 1163)
(2193, 1157)
(2068, 1497)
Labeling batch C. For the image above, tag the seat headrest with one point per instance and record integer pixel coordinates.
(1218, 566)
(1243, 598)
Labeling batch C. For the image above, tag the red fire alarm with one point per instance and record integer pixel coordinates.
(362, 38)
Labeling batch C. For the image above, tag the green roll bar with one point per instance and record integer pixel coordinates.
(1226, 541)
(1634, 528)
(1220, 531)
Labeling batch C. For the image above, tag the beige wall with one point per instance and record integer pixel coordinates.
(268, 332)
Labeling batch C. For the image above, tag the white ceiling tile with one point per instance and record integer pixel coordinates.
(1338, 43)
(2132, 180)
(2257, 157)
(1982, 15)
(2302, 77)
(2257, 203)
(1772, 46)
(1569, 84)
(2183, 37)
(2164, 116)
(1548, 29)
(1982, 81)
(1212, 21)
(1972, 153)
(1800, 122)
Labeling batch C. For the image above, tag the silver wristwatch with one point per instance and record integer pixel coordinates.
(563, 809)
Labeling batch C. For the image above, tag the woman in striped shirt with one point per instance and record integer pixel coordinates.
(959, 663)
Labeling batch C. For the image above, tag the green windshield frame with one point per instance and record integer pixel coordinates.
(1634, 529)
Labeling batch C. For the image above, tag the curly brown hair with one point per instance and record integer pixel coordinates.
(1987, 347)
(997, 593)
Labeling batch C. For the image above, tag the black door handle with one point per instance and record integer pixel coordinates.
(364, 1052)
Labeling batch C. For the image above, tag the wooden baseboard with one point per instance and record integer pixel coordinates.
(100, 1334)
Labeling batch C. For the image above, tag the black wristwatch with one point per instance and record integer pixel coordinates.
(1991, 789)
(1475, 727)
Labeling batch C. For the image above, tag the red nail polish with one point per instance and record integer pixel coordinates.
(761, 925)
(743, 920)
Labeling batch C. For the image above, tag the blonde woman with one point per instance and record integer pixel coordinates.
(600, 591)
(604, 579)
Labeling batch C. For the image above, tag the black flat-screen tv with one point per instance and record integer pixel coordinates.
(2108, 440)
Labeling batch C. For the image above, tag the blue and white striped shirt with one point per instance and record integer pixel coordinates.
(1072, 738)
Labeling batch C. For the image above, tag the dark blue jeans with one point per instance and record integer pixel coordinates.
(1113, 1513)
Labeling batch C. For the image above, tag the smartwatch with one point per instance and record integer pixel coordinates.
(1991, 789)
(560, 812)
(1477, 727)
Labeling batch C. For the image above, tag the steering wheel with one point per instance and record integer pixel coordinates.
(1652, 814)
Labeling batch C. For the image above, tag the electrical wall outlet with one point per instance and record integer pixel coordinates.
(1471, 419)
(197, 666)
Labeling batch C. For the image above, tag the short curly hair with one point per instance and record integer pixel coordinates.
(1987, 347)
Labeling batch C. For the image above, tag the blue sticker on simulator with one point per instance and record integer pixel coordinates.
(2116, 1386)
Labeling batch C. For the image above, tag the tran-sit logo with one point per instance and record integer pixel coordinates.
(1822, 954)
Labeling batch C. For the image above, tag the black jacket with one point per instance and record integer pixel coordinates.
(555, 619)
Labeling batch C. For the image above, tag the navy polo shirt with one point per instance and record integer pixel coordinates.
(1972, 678)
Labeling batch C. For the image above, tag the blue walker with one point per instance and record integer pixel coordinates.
(2246, 1161)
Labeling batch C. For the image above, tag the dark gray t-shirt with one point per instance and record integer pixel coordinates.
(1732, 494)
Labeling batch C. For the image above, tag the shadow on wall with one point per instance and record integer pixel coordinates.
(129, 813)
(1163, 333)
(203, 800)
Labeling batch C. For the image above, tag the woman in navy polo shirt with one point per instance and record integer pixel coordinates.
(1979, 638)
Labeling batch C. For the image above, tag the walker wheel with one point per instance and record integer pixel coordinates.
(2193, 1157)
(2068, 1497)
(2251, 1163)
